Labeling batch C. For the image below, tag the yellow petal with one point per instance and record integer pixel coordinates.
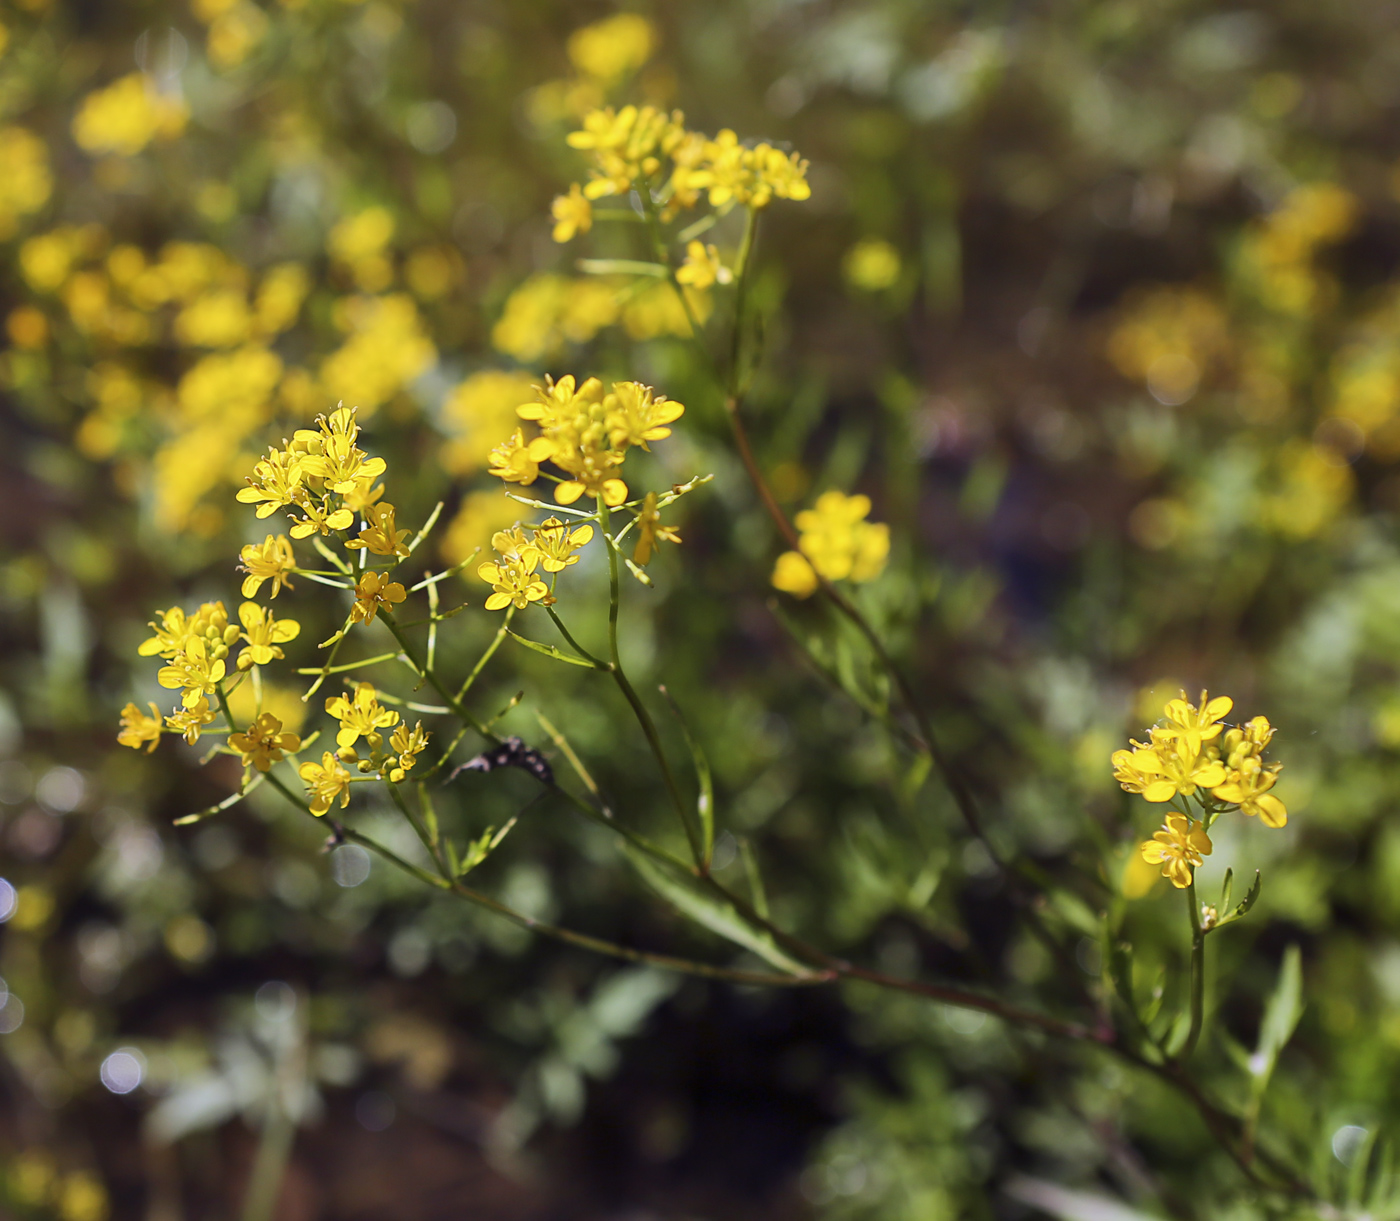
(1272, 812)
(1160, 790)
(497, 601)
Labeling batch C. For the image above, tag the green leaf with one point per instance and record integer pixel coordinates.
(1227, 888)
(550, 650)
(1248, 901)
(686, 895)
(705, 802)
(1281, 1016)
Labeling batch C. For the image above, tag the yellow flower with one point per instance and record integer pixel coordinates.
(274, 483)
(572, 214)
(1185, 720)
(702, 267)
(319, 517)
(794, 575)
(651, 531)
(556, 543)
(191, 718)
(1248, 787)
(514, 581)
(325, 781)
(193, 669)
(636, 414)
(373, 592)
(264, 743)
(408, 744)
(360, 716)
(1167, 767)
(340, 462)
(263, 634)
(138, 728)
(271, 561)
(1178, 847)
(380, 535)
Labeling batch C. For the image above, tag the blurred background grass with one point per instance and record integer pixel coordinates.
(1096, 301)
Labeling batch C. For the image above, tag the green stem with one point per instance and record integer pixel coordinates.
(1198, 972)
(487, 655)
(741, 293)
(638, 708)
(574, 644)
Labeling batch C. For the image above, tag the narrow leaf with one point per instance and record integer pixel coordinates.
(1281, 1016)
(1248, 901)
(705, 802)
(1227, 890)
(685, 894)
(550, 650)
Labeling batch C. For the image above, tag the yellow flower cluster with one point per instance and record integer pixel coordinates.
(836, 542)
(26, 184)
(1193, 754)
(513, 578)
(127, 115)
(1278, 254)
(630, 148)
(324, 475)
(195, 648)
(362, 717)
(585, 432)
(548, 311)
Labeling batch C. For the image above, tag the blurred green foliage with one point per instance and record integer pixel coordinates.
(1098, 303)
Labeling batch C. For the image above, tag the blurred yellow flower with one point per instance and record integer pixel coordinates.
(27, 327)
(126, 116)
(836, 542)
(26, 182)
(476, 414)
(388, 347)
(138, 729)
(572, 214)
(702, 267)
(609, 49)
(794, 575)
(871, 265)
(481, 514)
